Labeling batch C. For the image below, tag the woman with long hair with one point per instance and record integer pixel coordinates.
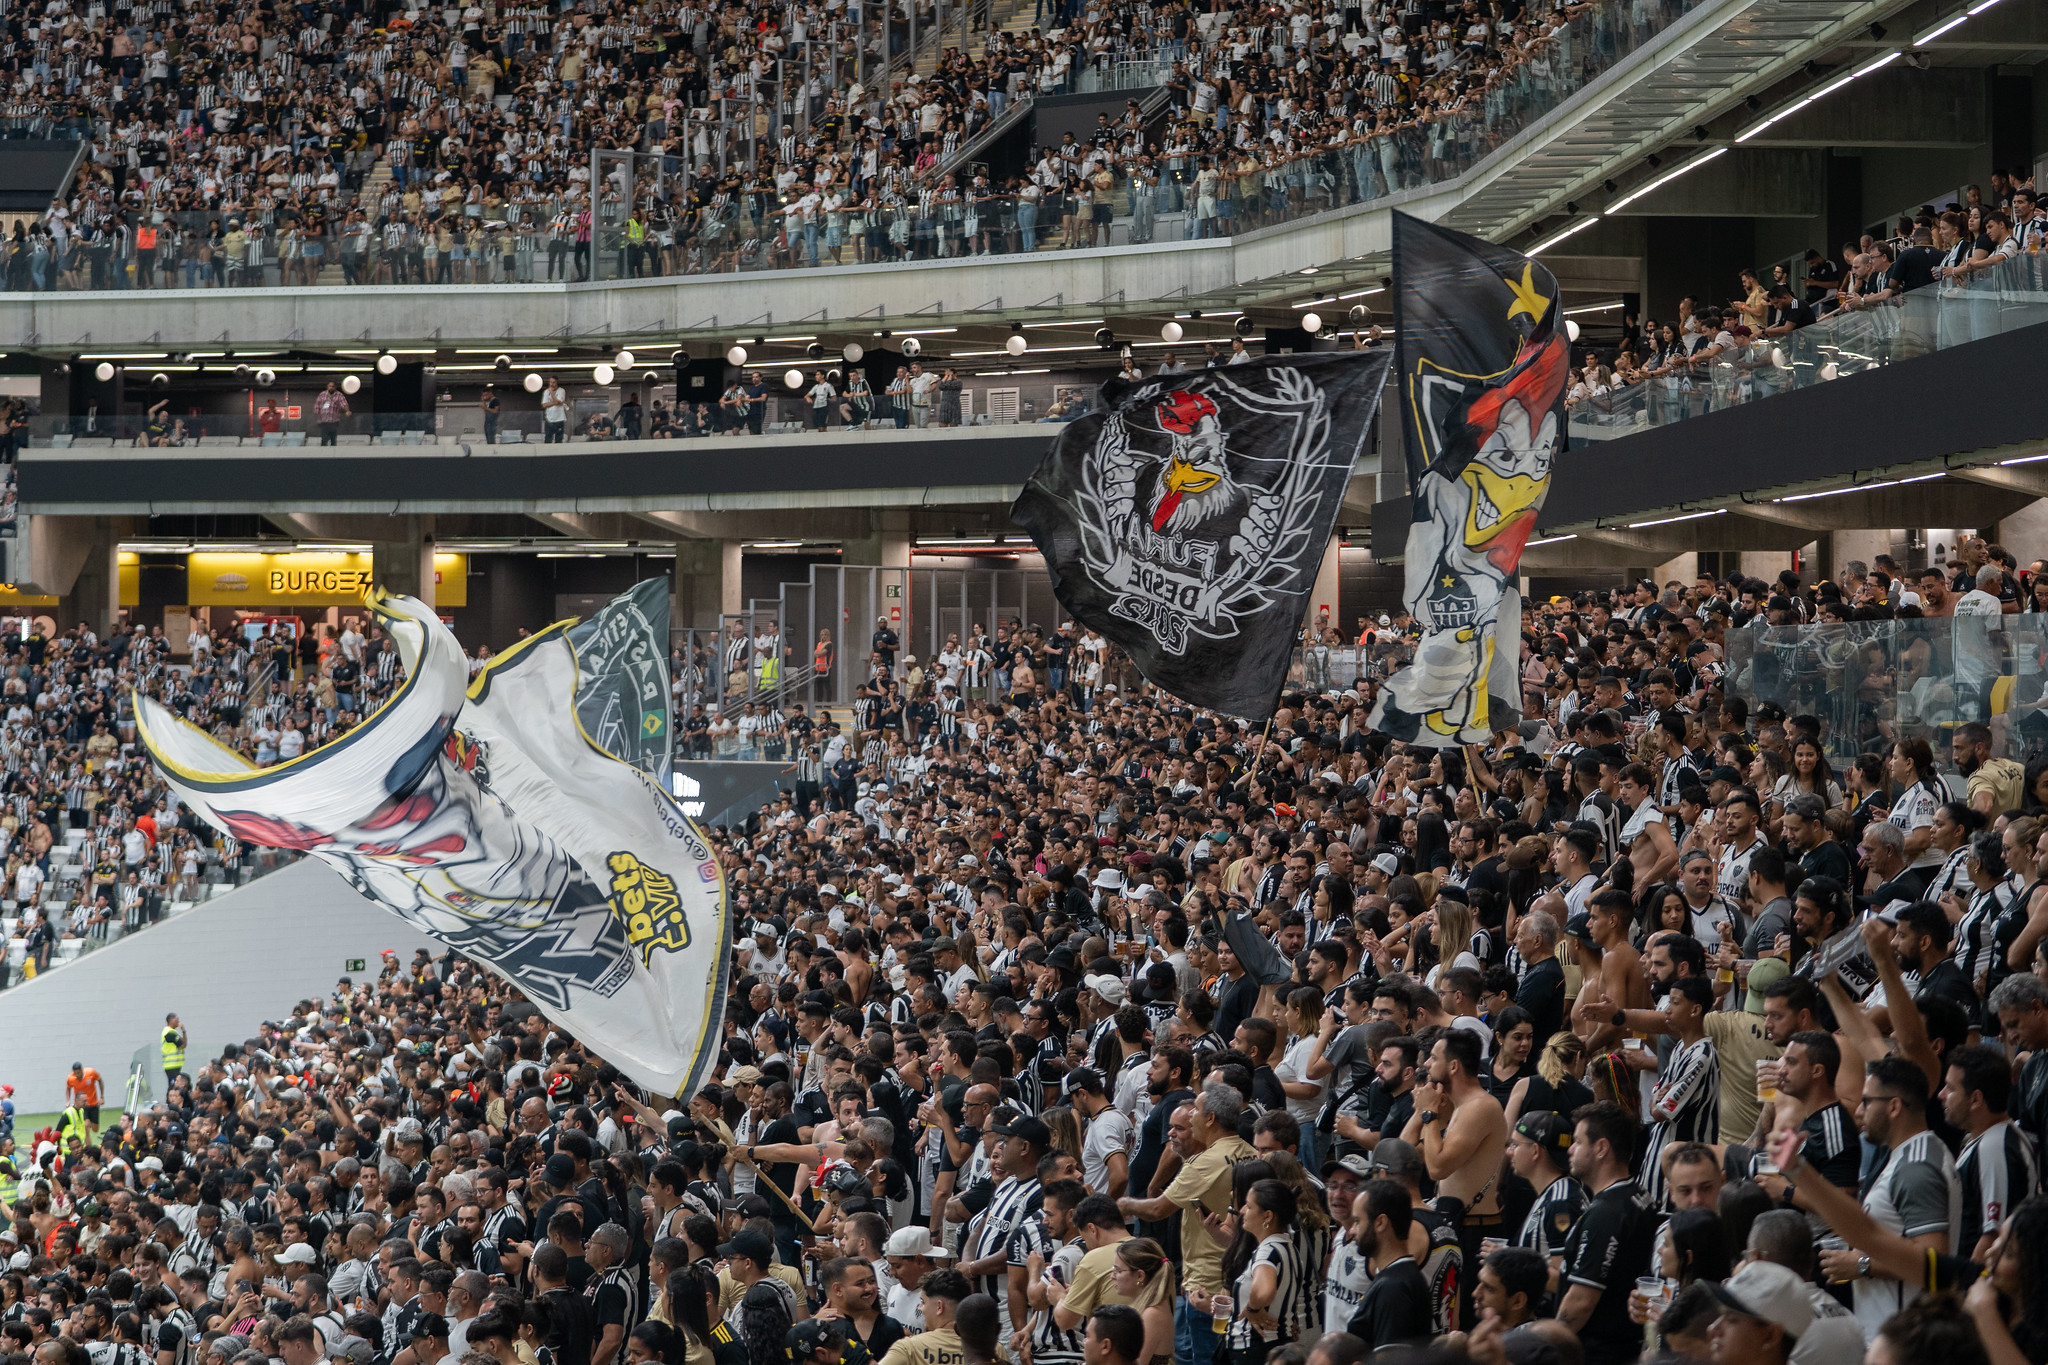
(1262, 1269)
(1920, 794)
(1451, 929)
(1312, 1236)
(1147, 1281)
(692, 1290)
(764, 1323)
(1667, 912)
(1991, 894)
(1304, 1021)
(1066, 1131)
(1514, 1038)
(1809, 772)
(1556, 1086)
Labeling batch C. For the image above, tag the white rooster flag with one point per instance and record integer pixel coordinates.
(482, 813)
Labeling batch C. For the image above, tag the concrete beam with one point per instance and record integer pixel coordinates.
(2029, 479)
(1743, 183)
(293, 525)
(1946, 106)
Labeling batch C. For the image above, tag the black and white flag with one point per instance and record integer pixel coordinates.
(1188, 518)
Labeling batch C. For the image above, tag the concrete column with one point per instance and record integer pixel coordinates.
(1324, 599)
(1765, 564)
(2025, 531)
(1864, 545)
(94, 593)
(706, 583)
(887, 543)
(1683, 568)
(402, 552)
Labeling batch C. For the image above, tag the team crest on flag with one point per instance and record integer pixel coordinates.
(1189, 519)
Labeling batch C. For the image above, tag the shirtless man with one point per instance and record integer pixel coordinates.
(1645, 837)
(1622, 982)
(1462, 1134)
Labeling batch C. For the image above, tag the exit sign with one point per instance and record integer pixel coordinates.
(354, 964)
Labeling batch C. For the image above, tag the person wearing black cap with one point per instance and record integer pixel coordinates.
(1024, 1140)
(1539, 1150)
(816, 1341)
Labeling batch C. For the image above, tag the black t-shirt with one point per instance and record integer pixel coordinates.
(1831, 1146)
(783, 1173)
(1542, 994)
(1395, 1309)
(1828, 859)
(572, 1326)
(1266, 1089)
(1609, 1248)
(1821, 279)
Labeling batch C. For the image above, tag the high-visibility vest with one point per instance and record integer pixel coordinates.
(173, 1050)
(145, 238)
(10, 1182)
(71, 1123)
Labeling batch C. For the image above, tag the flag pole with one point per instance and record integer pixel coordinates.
(764, 1180)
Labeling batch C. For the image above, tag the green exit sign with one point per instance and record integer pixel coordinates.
(354, 964)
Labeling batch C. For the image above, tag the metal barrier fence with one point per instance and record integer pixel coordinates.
(1993, 301)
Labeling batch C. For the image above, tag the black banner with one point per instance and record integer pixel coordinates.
(1188, 518)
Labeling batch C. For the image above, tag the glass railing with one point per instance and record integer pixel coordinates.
(1991, 302)
(1873, 683)
(1183, 197)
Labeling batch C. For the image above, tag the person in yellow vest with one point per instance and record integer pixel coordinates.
(173, 1048)
(71, 1124)
(939, 1342)
(10, 1176)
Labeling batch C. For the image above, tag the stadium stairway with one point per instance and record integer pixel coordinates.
(224, 967)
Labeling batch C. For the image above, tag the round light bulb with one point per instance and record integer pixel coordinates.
(852, 351)
(104, 371)
(533, 383)
(1171, 332)
(1571, 330)
(1311, 323)
(624, 360)
(351, 384)
(911, 346)
(603, 374)
(502, 363)
(387, 363)
(265, 377)
(1016, 345)
(736, 355)
(793, 379)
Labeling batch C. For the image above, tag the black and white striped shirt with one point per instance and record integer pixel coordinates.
(1008, 1209)
(1998, 1169)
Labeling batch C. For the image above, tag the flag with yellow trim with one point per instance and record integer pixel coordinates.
(1481, 358)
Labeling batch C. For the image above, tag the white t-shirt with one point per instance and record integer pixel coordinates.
(1109, 1131)
(1292, 1071)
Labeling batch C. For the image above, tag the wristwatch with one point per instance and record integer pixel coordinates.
(1620, 1017)
(1862, 1267)
(1427, 1116)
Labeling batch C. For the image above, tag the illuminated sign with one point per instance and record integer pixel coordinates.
(690, 793)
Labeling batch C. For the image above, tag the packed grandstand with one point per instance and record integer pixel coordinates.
(1080, 1024)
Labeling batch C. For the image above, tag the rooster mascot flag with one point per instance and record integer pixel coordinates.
(1482, 359)
(1188, 516)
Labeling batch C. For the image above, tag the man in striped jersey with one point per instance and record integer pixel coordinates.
(1998, 1167)
(613, 1292)
(1686, 1102)
(1050, 1247)
(1915, 1194)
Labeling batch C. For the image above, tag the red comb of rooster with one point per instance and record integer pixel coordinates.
(1183, 410)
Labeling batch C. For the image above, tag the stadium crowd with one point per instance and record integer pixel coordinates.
(1084, 1027)
(335, 143)
(1948, 250)
(92, 842)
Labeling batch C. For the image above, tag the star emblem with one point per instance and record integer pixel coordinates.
(1528, 298)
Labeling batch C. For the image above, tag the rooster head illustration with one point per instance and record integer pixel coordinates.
(1196, 482)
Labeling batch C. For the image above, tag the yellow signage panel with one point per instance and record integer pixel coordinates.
(451, 581)
(305, 579)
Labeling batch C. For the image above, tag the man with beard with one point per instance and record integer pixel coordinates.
(852, 1302)
(1611, 1243)
(1920, 937)
(1915, 1195)
(1819, 911)
(1461, 1131)
(1167, 1081)
(1993, 785)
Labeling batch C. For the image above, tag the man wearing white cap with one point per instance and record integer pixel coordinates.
(910, 1253)
(1766, 1309)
